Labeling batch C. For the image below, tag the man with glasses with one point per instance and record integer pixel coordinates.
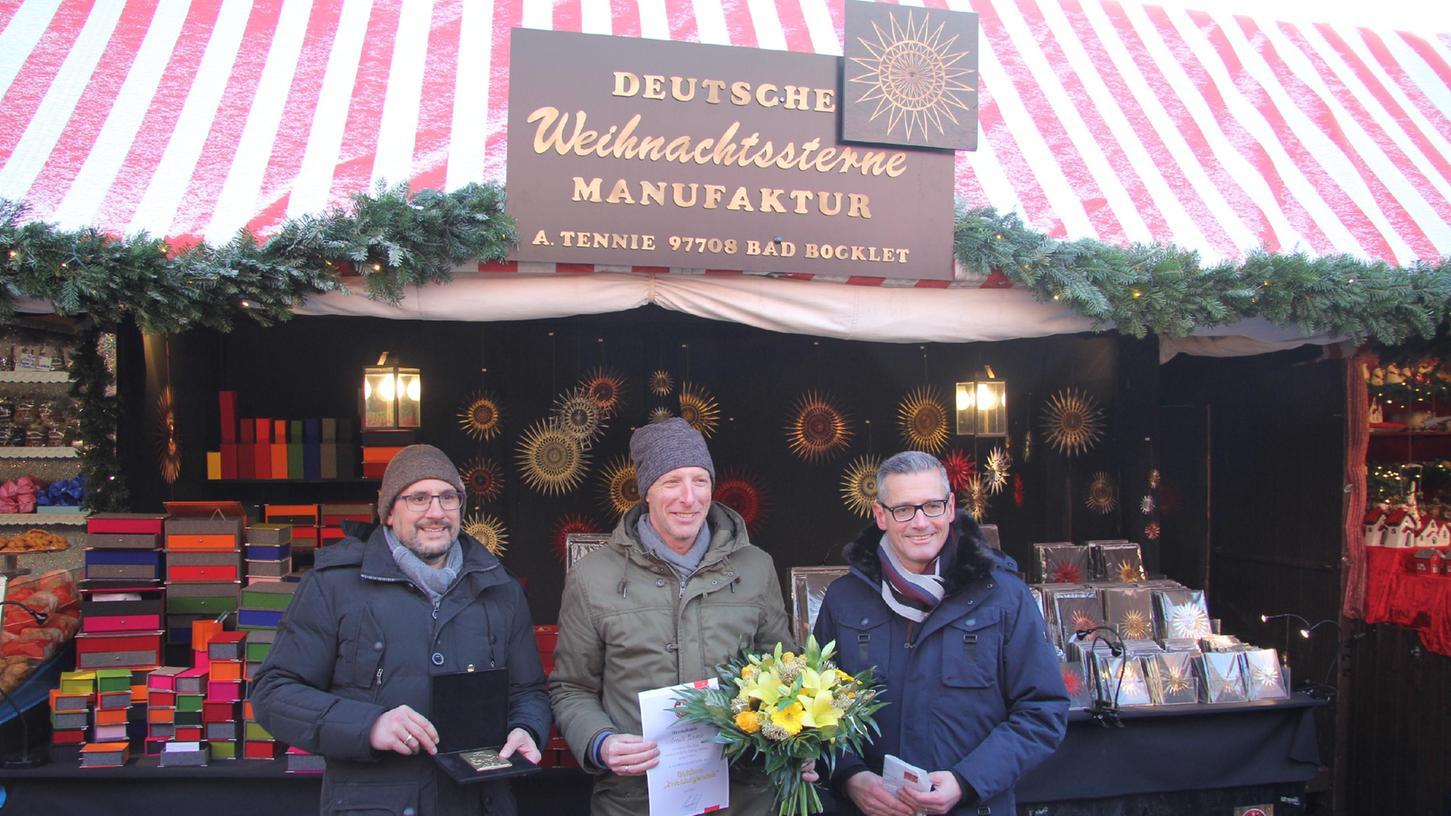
(974, 691)
(383, 611)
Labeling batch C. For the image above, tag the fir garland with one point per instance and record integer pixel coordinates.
(396, 239)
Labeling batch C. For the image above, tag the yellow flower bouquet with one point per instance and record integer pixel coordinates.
(783, 709)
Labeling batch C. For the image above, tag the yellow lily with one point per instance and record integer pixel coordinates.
(820, 713)
(767, 688)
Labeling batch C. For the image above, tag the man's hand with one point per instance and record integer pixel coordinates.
(519, 740)
(871, 796)
(629, 754)
(808, 772)
(944, 796)
(403, 730)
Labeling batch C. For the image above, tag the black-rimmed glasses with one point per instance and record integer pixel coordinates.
(904, 513)
(419, 502)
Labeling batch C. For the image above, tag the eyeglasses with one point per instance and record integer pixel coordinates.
(419, 502)
(906, 512)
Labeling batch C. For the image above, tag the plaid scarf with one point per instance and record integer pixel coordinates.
(907, 593)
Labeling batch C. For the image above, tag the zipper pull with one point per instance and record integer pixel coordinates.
(378, 679)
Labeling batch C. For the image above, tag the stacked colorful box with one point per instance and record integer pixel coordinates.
(303, 518)
(301, 762)
(203, 572)
(70, 713)
(122, 598)
(263, 605)
(123, 546)
(376, 459)
(221, 708)
(257, 743)
(161, 707)
(268, 552)
(333, 516)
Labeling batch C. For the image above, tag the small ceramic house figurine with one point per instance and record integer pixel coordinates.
(1374, 525)
(1400, 528)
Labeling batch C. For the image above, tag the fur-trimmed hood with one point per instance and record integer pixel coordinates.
(974, 560)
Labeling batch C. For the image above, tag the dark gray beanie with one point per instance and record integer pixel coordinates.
(661, 447)
(414, 464)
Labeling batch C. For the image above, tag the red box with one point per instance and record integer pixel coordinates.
(218, 711)
(202, 573)
(96, 650)
(161, 699)
(68, 736)
(259, 749)
(120, 623)
(125, 523)
(229, 460)
(224, 690)
(188, 733)
(227, 403)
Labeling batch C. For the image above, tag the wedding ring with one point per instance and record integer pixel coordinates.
(409, 739)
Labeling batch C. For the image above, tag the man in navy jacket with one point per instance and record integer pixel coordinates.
(973, 689)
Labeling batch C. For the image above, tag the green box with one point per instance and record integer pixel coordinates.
(223, 749)
(257, 652)
(189, 702)
(202, 605)
(253, 730)
(113, 680)
(272, 601)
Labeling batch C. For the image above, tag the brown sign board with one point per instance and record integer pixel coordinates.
(646, 153)
(909, 76)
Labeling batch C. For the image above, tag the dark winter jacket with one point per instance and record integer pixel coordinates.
(360, 639)
(978, 692)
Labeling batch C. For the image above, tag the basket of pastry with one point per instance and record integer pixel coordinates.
(26, 642)
(33, 540)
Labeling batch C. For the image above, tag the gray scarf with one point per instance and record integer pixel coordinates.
(685, 563)
(433, 580)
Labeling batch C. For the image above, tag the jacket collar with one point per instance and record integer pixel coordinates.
(973, 561)
(479, 565)
(727, 534)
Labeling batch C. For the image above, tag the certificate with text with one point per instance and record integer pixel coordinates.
(692, 776)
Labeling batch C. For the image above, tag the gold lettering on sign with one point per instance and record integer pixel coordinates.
(567, 134)
(709, 197)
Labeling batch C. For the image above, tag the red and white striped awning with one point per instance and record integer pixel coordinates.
(1099, 120)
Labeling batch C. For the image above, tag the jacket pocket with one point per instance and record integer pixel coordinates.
(371, 799)
(970, 648)
(368, 649)
(863, 639)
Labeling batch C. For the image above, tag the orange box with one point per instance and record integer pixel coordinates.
(202, 632)
(226, 669)
(247, 713)
(139, 694)
(161, 716)
(210, 542)
(111, 716)
(380, 453)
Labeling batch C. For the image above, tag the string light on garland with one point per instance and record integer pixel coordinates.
(551, 461)
(817, 429)
(859, 484)
(699, 408)
(922, 419)
(480, 418)
(489, 531)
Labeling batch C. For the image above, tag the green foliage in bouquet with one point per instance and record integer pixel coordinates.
(781, 709)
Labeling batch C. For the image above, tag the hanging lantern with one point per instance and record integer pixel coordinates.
(392, 396)
(982, 407)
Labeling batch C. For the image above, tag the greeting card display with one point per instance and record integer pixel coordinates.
(1263, 679)
(1171, 678)
(1222, 674)
(1130, 612)
(1120, 561)
(1062, 562)
(1121, 680)
(1080, 692)
(1077, 611)
(1182, 613)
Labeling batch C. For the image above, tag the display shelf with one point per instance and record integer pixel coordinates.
(38, 452)
(75, 519)
(50, 377)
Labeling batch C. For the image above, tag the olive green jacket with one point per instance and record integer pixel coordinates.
(625, 626)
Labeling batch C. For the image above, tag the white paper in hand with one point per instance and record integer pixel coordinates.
(692, 776)
(897, 774)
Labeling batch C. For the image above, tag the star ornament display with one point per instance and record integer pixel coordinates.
(910, 76)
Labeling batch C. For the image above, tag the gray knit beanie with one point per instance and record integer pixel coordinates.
(414, 464)
(661, 447)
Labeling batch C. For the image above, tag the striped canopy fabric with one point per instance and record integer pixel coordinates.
(1119, 122)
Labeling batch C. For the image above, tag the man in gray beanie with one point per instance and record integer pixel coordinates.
(678, 589)
(350, 675)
